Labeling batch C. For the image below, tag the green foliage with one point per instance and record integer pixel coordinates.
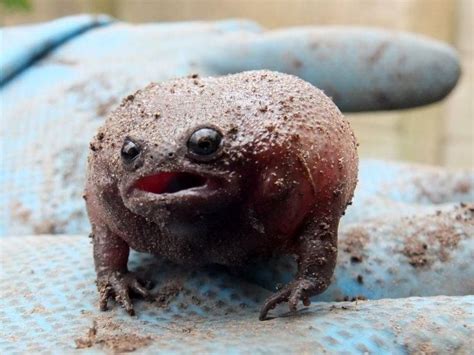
(22, 5)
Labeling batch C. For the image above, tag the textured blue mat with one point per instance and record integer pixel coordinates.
(49, 302)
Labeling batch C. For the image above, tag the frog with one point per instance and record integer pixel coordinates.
(221, 170)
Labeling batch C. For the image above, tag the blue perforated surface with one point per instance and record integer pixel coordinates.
(426, 254)
(49, 301)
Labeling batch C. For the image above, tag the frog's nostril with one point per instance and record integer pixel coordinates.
(170, 182)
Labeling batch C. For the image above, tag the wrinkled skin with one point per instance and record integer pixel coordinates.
(281, 178)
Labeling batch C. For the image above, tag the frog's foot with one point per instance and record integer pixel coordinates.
(291, 293)
(119, 285)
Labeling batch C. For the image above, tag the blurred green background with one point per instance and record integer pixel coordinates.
(441, 134)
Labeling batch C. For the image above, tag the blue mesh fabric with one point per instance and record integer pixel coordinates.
(49, 302)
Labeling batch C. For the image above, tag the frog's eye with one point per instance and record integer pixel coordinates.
(130, 150)
(204, 143)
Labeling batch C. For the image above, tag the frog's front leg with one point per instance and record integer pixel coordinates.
(316, 251)
(113, 278)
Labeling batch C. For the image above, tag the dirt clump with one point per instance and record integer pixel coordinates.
(48, 226)
(438, 235)
(19, 212)
(168, 292)
(354, 243)
(117, 343)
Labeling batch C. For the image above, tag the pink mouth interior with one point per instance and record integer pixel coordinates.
(169, 182)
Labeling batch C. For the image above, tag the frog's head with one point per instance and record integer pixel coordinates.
(190, 148)
(179, 150)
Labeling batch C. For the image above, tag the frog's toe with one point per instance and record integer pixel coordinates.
(105, 292)
(120, 285)
(293, 293)
(272, 301)
(301, 291)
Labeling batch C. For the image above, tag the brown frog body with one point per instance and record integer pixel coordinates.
(221, 170)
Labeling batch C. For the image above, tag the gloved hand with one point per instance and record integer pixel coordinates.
(60, 79)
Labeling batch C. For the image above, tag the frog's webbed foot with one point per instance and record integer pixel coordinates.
(119, 285)
(292, 293)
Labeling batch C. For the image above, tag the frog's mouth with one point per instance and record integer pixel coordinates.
(171, 183)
